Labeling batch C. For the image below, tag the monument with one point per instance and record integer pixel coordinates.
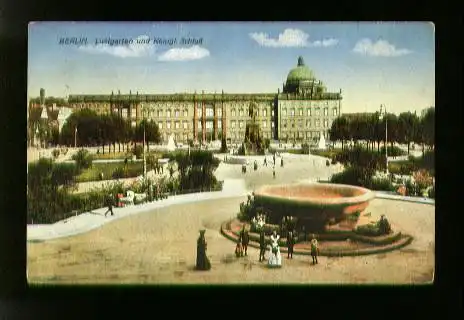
(253, 142)
(321, 144)
(171, 146)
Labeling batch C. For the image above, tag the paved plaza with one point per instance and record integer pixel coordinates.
(156, 243)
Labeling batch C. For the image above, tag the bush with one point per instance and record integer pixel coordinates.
(119, 173)
(393, 152)
(223, 145)
(305, 148)
(380, 184)
(83, 159)
(432, 193)
(353, 175)
(371, 229)
(138, 151)
(56, 153)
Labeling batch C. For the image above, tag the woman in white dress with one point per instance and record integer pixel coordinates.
(275, 260)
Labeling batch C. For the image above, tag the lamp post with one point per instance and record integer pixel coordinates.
(144, 156)
(386, 134)
(75, 137)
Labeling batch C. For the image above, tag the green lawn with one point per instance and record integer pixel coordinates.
(134, 169)
(107, 156)
(326, 153)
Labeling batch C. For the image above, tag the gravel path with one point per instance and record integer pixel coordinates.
(159, 246)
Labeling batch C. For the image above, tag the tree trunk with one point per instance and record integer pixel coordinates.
(148, 147)
(378, 146)
(408, 146)
(119, 147)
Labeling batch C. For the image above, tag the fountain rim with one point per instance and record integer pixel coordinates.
(366, 196)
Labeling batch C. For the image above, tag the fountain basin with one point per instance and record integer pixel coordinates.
(314, 204)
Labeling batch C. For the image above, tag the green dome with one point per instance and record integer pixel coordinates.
(300, 73)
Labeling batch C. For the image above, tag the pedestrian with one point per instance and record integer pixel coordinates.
(281, 162)
(109, 203)
(314, 249)
(265, 161)
(273, 172)
(290, 244)
(262, 245)
(245, 239)
(238, 249)
(273, 158)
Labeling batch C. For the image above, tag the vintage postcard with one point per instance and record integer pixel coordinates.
(231, 153)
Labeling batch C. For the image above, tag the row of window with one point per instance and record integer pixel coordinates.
(241, 124)
(241, 113)
(309, 112)
(317, 123)
(302, 135)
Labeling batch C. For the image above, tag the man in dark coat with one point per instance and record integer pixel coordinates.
(290, 244)
(245, 239)
(202, 260)
(262, 245)
(109, 203)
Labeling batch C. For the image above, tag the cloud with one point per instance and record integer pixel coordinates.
(381, 48)
(184, 54)
(133, 50)
(290, 38)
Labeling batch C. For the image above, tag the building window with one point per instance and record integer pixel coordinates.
(177, 124)
(241, 113)
(308, 134)
(272, 113)
(326, 112)
(168, 114)
(241, 124)
(309, 112)
(199, 112)
(264, 113)
(293, 124)
(219, 112)
(318, 123)
(160, 125)
(160, 113)
(335, 111)
(233, 113)
(177, 113)
(185, 125)
(284, 112)
(264, 124)
(300, 123)
(210, 112)
(317, 112)
(185, 113)
(292, 112)
(232, 123)
(168, 125)
(308, 123)
(209, 125)
(219, 124)
(272, 124)
(200, 126)
(300, 112)
(326, 123)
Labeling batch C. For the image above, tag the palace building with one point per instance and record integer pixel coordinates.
(300, 113)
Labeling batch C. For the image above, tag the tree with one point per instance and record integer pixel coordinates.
(88, 125)
(407, 125)
(151, 132)
(428, 127)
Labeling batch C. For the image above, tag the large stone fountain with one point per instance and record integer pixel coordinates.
(315, 205)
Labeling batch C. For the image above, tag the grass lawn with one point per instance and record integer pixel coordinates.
(134, 169)
(107, 156)
(326, 153)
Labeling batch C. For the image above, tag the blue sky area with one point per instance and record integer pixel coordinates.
(373, 63)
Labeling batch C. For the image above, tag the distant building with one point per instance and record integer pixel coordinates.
(301, 112)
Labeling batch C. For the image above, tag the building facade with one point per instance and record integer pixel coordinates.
(301, 112)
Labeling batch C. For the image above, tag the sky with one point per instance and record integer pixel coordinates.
(372, 63)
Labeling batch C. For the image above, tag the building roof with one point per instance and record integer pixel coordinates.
(300, 73)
